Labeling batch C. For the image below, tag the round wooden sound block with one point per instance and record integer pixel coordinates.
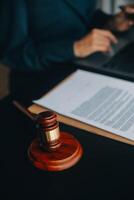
(65, 156)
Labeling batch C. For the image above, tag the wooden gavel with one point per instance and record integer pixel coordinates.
(53, 150)
(48, 129)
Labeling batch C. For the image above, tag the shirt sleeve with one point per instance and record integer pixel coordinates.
(41, 45)
(38, 56)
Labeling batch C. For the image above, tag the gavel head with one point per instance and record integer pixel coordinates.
(48, 129)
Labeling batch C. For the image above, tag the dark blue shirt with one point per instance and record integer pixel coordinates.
(38, 33)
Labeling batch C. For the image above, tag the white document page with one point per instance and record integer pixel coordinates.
(95, 99)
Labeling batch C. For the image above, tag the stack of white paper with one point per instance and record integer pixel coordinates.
(95, 99)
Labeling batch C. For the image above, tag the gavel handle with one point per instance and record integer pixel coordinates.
(32, 116)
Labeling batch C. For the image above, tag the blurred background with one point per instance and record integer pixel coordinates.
(112, 6)
(109, 6)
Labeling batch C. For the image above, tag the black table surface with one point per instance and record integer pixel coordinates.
(106, 170)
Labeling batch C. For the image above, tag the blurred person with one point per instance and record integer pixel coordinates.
(36, 35)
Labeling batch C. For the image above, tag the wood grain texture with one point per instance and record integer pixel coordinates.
(4, 81)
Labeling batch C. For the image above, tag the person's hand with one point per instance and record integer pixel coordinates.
(96, 41)
(122, 20)
(128, 8)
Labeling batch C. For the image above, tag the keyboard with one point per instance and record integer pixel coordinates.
(123, 61)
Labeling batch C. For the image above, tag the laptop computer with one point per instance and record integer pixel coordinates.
(119, 62)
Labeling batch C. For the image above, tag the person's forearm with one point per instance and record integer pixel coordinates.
(115, 23)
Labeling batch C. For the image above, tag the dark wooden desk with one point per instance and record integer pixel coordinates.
(106, 171)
